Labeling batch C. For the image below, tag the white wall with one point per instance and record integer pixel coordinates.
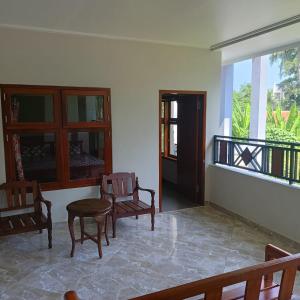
(270, 204)
(134, 71)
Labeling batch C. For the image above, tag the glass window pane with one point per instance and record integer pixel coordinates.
(162, 138)
(38, 156)
(85, 108)
(173, 139)
(162, 109)
(32, 108)
(173, 109)
(86, 154)
(241, 98)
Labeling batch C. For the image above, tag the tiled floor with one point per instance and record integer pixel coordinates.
(186, 245)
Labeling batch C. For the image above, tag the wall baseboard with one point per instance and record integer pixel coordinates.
(255, 225)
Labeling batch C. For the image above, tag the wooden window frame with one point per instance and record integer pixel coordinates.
(60, 127)
(167, 121)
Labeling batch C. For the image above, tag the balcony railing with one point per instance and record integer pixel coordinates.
(277, 159)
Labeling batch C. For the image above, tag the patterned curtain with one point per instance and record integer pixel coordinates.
(16, 142)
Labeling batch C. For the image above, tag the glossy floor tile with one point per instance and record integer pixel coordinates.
(186, 245)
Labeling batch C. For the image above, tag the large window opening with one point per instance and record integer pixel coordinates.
(60, 137)
(241, 99)
(266, 97)
(262, 101)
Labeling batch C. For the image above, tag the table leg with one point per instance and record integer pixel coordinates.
(81, 229)
(99, 229)
(105, 230)
(71, 229)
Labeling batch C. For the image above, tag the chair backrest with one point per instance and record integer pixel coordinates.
(18, 194)
(120, 184)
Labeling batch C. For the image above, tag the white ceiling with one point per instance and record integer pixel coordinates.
(198, 23)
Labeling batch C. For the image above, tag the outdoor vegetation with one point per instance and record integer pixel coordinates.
(283, 113)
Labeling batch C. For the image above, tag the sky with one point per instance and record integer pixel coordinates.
(242, 74)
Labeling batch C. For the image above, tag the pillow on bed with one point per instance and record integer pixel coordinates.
(33, 152)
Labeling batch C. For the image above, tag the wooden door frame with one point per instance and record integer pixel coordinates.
(203, 148)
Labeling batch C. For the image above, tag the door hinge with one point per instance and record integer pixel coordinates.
(108, 99)
(4, 96)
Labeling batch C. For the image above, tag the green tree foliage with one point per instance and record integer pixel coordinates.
(241, 112)
(279, 129)
(290, 74)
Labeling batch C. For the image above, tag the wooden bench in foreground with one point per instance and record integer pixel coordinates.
(258, 282)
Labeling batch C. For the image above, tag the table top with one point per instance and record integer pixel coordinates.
(90, 207)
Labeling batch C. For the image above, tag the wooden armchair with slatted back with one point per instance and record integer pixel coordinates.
(22, 196)
(118, 188)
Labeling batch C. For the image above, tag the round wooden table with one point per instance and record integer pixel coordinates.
(92, 207)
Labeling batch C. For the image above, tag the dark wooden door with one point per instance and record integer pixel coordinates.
(190, 157)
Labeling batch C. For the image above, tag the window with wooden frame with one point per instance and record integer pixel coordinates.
(59, 136)
(169, 117)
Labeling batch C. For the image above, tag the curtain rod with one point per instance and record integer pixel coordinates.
(257, 32)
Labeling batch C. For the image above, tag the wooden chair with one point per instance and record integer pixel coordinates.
(16, 198)
(124, 185)
(258, 281)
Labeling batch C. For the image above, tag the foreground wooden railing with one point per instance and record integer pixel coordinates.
(71, 295)
(258, 279)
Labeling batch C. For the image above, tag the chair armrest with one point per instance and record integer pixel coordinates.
(273, 252)
(111, 195)
(41, 199)
(152, 192)
(48, 205)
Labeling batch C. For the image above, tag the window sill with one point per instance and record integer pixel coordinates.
(72, 185)
(258, 176)
(169, 158)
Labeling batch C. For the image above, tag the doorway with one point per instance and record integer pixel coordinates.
(181, 149)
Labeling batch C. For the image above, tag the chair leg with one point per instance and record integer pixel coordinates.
(136, 216)
(99, 229)
(81, 229)
(50, 237)
(152, 220)
(72, 234)
(114, 221)
(105, 230)
(41, 231)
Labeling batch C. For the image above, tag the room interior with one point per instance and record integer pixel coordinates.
(99, 196)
